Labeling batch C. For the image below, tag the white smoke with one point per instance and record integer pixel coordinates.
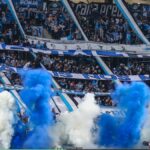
(7, 107)
(76, 127)
(145, 134)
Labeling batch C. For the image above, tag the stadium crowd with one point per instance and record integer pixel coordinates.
(72, 64)
(51, 20)
(128, 66)
(76, 64)
(55, 63)
(86, 85)
(105, 27)
(9, 31)
(141, 14)
(43, 22)
(55, 23)
(38, 20)
(108, 30)
(24, 59)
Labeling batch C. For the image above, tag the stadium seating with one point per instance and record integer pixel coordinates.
(51, 20)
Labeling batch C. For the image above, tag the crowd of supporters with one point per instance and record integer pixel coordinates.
(9, 31)
(86, 85)
(102, 24)
(24, 59)
(89, 65)
(108, 30)
(38, 20)
(141, 14)
(51, 20)
(128, 66)
(72, 64)
(14, 59)
(76, 64)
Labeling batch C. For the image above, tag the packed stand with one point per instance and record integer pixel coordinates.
(18, 60)
(102, 24)
(46, 19)
(9, 31)
(71, 64)
(57, 63)
(50, 19)
(126, 66)
(86, 85)
(24, 59)
(76, 64)
(15, 58)
(141, 14)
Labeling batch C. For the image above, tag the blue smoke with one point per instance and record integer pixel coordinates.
(124, 132)
(36, 95)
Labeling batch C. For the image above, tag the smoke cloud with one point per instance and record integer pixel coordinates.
(36, 95)
(7, 119)
(76, 127)
(117, 132)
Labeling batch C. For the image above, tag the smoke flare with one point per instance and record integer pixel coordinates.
(76, 127)
(116, 132)
(36, 95)
(7, 119)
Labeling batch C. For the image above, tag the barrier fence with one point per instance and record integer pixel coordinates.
(125, 78)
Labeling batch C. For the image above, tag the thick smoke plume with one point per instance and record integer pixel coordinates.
(116, 132)
(7, 119)
(76, 127)
(36, 95)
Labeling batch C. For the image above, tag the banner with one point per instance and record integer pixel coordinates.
(96, 9)
(77, 45)
(29, 3)
(68, 75)
(74, 52)
(100, 77)
(86, 9)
